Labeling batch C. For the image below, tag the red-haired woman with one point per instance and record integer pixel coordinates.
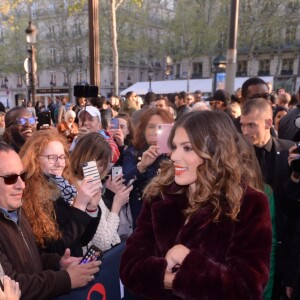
(57, 210)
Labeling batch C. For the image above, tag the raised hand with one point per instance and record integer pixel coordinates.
(87, 190)
(148, 158)
(114, 184)
(121, 197)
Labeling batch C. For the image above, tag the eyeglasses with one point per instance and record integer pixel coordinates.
(53, 158)
(13, 178)
(22, 121)
(265, 96)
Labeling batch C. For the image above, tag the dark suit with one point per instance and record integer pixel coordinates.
(278, 177)
(287, 129)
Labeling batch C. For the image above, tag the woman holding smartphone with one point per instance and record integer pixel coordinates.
(205, 230)
(58, 211)
(94, 147)
(142, 159)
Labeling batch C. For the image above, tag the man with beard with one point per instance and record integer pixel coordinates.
(19, 126)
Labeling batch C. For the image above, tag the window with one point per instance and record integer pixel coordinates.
(264, 67)
(65, 79)
(78, 54)
(77, 29)
(241, 68)
(51, 33)
(177, 75)
(197, 70)
(79, 76)
(292, 7)
(290, 34)
(287, 66)
(53, 56)
(267, 37)
(33, 9)
(52, 79)
(19, 81)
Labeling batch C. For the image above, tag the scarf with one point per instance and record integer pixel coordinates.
(68, 191)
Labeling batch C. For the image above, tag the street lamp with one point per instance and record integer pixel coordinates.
(219, 69)
(30, 63)
(150, 74)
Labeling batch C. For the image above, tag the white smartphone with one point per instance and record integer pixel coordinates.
(115, 171)
(90, 169)
(163, 132)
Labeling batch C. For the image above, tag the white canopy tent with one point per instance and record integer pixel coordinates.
(176, 86)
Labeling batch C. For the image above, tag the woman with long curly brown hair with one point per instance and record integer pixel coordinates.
(55, 208)
(204, 231)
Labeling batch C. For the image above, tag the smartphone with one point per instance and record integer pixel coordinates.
(131, 182)
(163, 133)
(115, 171)
(114, 123)
(90, 169)
(92, 254)
(44, 119)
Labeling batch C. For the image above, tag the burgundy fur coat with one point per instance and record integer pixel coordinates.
(228, 260)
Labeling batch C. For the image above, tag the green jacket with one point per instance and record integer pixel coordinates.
(268, 290)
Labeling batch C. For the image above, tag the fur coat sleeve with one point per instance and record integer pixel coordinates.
(228, 260)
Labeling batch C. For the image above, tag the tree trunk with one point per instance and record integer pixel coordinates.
(114, 48)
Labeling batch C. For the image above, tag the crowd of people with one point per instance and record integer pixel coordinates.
(215, 216)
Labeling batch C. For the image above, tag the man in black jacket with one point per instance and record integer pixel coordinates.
(42, 276)
(287, 128)
(272, 155)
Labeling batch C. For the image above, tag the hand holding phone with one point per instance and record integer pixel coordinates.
(93, 253)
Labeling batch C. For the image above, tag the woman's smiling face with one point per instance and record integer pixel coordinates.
(185, 159)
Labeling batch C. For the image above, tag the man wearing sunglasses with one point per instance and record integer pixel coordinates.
(19, 126)
(40, 276)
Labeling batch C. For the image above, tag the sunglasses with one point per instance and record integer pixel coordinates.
(22, 121)
(13, 178)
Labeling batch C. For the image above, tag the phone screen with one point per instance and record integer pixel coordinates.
(163, 133)
(92, 254)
